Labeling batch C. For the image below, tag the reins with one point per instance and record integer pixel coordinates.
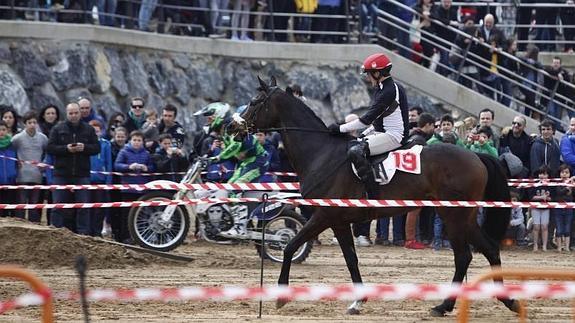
(285, 129)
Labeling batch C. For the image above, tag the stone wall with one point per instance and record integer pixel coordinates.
(35, 73)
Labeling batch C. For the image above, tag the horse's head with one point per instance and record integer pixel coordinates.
(261, 113)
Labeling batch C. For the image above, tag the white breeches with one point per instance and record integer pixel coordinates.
(381, 142)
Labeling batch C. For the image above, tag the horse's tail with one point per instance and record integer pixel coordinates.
(496, 219)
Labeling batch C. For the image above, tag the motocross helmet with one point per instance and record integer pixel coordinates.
(216, 112)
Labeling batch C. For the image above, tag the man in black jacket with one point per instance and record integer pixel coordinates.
(169, 125)
(517, 141)
(72, 143)
(424, 130)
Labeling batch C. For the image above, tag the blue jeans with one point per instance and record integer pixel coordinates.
(494, 83)
(507, 89)
(563, 220)
(554, 110)
(97, 215)
(382, 228)
(105, 9)
(32, 197)
(437, 228)
(78, 196)
(146, 10)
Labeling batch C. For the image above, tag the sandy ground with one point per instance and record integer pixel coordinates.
(51, 259)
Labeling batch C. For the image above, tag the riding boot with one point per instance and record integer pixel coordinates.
(358, 153)
(239, 229)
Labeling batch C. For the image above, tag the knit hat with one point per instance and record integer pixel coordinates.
(514, 164)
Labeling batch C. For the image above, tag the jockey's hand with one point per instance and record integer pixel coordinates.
(334, 129)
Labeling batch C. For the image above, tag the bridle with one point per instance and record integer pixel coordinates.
(260, 103)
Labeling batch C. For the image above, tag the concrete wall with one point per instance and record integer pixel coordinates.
(405, 71)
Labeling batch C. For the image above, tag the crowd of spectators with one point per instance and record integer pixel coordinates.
(85, 147)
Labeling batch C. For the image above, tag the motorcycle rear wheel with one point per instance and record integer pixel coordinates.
(287, 224)
(147, 232)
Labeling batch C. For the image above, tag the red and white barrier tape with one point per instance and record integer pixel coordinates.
(390, 292)
(530, 180)
(44, 165)
(538, 184)
(288, 186)
(311, 202)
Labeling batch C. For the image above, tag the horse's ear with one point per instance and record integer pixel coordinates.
(273, 82)
(263, 85)
(289, 91)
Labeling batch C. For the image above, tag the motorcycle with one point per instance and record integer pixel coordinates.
(164, 228)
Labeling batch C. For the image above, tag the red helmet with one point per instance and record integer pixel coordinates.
(376, 62)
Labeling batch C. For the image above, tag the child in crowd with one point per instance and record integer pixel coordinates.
(30, 145)
(482, 142)
(516, 229)
(169, 159)
(133, 158)
(150, 130)
(541, 216)
(100, 163)
(8, 167)
(563, 217)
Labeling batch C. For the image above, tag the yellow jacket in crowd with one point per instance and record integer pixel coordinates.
(306, 6)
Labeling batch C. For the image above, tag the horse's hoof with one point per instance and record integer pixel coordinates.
(437, 312)
(352, 311)
(515, 306)
(281, 303)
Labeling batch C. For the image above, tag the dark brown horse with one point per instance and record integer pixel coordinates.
(448, 172)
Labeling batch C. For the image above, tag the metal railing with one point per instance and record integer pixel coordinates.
(130, 18)
(480, 63)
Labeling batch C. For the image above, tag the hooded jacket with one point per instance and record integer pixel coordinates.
(102, 162)
(129, 155)
(545, 153)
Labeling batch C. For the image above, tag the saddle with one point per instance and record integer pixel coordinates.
(406, 158)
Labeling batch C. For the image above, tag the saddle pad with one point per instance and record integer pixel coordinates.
(407, 160)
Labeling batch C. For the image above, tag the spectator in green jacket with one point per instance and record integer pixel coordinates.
(447, 133)
(482, 142)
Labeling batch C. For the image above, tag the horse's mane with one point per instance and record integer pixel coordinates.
(301, 106)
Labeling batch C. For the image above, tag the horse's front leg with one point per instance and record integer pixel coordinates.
(345, 240)
(461, 253)
(310, 230)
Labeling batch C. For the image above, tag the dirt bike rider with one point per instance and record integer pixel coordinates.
(387, 116)
(253, 162)
(218, 116)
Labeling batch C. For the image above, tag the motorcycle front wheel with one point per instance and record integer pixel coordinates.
(286, 225)
(148, 230)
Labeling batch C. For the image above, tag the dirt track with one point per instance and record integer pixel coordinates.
(221, 265)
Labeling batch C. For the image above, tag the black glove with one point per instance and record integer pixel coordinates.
(334, 129)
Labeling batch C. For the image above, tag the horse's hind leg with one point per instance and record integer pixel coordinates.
(461, 251)
(491, 251)
(312, 228)
(345, 240)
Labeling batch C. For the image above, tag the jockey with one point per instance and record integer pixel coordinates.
(387, 118)
(253, 163)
